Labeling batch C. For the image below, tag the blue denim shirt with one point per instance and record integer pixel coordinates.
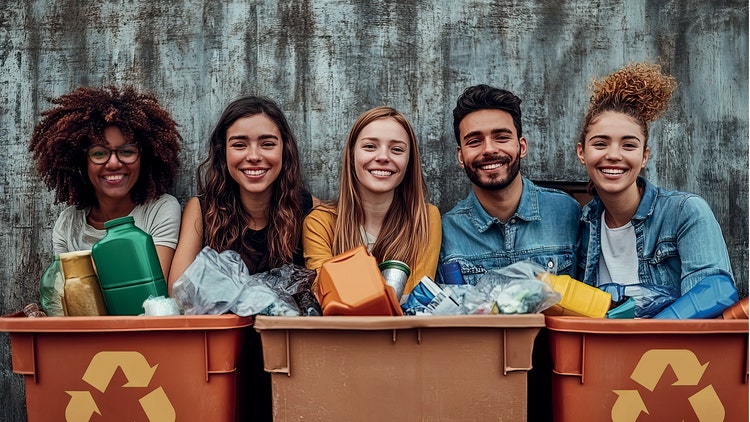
(678, 240)
(543, 229)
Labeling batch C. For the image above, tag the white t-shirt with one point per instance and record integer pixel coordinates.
(618, 262)
(160, 218)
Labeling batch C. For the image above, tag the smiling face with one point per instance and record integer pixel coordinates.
(254, 150)
(490, 150)
(381, 156)
(113, 180)
(614, 153)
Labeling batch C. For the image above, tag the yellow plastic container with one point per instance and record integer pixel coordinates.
(578, 298)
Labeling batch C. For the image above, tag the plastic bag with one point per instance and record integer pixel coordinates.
(514, 289)
(51, 288)
(647, 301)
(160, 306)
(217, 283)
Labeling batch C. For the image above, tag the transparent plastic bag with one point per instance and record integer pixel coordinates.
(217, 283)
(51, 288)
(514, 289)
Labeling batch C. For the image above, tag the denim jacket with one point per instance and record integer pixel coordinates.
(543, 229)
(678, 240)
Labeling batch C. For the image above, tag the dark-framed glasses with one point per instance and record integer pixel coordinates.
(126, 154)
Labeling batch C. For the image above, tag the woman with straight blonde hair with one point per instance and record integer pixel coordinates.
(382, 202)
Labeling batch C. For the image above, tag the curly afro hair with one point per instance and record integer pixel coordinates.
(78, 120)
(638, 90)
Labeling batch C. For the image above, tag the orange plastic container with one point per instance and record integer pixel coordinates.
(127, 368)
(417, 368)
(578, 298)
(649, 370)
(737, 311)
(351, 284)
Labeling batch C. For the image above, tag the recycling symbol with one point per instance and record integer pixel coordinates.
(99, 373)
(649, 370)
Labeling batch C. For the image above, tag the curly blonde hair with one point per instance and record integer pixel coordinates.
(639, 90)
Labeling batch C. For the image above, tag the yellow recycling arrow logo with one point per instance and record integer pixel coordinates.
(649, 370)
(138, 372)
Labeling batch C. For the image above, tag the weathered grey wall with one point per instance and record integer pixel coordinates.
(326, 61)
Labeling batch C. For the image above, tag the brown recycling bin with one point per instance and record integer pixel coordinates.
(649, 370)
(168, 368)
(412, 368)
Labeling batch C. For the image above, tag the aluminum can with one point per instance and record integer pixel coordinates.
(395, 274)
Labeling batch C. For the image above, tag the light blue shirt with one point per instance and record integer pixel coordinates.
(678, 240)
(543, 229)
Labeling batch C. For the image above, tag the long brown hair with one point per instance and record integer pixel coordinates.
(638, 90)
(224, 217)
(405, 227)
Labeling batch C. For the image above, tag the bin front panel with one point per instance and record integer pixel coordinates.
(650, 377)
(437, 374)
(144, 376)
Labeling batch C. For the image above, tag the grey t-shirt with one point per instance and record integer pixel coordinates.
(160, 218)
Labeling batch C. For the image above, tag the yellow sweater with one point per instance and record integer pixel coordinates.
(317, 241)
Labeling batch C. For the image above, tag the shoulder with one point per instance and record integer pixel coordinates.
(554, 202)
(462, 207)
(687, 203)
(323, 213)
(67, 216)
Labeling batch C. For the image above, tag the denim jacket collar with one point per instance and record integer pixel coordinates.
(595, 207)
(528, 208)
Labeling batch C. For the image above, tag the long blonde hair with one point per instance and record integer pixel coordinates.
(405, 227)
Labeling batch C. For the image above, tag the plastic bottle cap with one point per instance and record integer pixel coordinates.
(452, 273)
(119, 221)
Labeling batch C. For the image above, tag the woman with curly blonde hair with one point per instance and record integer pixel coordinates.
(635, 232)
(109, 153)
(382, 202)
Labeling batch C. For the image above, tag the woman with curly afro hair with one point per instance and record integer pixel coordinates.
(109, 153)
(635, 232)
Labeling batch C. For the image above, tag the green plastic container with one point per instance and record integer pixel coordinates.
(128, 267)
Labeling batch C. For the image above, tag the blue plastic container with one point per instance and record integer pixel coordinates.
(707, 299)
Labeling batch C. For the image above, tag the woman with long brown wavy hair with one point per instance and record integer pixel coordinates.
(382, 202)
(251, 197)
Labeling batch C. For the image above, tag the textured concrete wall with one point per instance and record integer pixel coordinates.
(326, 61)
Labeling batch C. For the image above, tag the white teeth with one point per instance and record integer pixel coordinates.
(613, 172)
(381, 172)
(254, 172)
(113, 177)
(491, 166)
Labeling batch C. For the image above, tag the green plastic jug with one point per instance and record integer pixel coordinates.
(128, 267)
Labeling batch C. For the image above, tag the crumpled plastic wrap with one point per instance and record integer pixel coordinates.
(514, 289)
(160, 306)
(217, 283)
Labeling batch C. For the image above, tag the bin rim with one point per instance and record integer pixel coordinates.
(263, 322)
(18, 322)
(645, 326)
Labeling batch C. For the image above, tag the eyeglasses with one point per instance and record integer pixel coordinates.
(126, 154)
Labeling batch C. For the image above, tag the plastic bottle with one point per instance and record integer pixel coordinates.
(51, 288)
(737, 311)
(707, 299)
(128, 267)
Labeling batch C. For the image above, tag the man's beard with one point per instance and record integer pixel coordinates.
(496, 182)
